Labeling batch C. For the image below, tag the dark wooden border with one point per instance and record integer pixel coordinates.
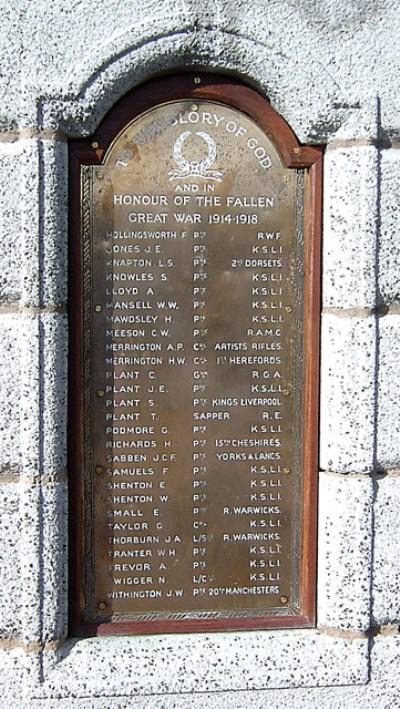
(91, 151)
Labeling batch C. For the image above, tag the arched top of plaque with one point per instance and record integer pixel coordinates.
(167, 93)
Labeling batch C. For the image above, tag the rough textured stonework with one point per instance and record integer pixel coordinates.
(330, 68)
(386, 586)
(10, 384)
(350, 226)
(347, 393)
(344, 572)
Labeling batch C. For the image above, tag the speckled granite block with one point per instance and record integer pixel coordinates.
(44, 562)
(10, 560)
(389, 241)
(10, 393)
(347, 394)
(350, 226)
(385, 656)
(13, 666)
(10, 80)
(33, 222)
(12, 156)
(388, 420)
(44, 235)
(204, 663)
(386, 577)
(344, 552)
(44, 394)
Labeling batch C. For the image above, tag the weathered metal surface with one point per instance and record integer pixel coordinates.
(193, 283)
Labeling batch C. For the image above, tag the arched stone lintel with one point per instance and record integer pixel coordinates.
(303, 93)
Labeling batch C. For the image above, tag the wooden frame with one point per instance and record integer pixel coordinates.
(90, 151)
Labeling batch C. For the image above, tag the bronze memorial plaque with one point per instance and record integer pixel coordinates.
(194, 374)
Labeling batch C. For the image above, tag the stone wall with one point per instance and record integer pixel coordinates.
(330, 68)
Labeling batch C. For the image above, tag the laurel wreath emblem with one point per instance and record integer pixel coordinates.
(195, 168)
